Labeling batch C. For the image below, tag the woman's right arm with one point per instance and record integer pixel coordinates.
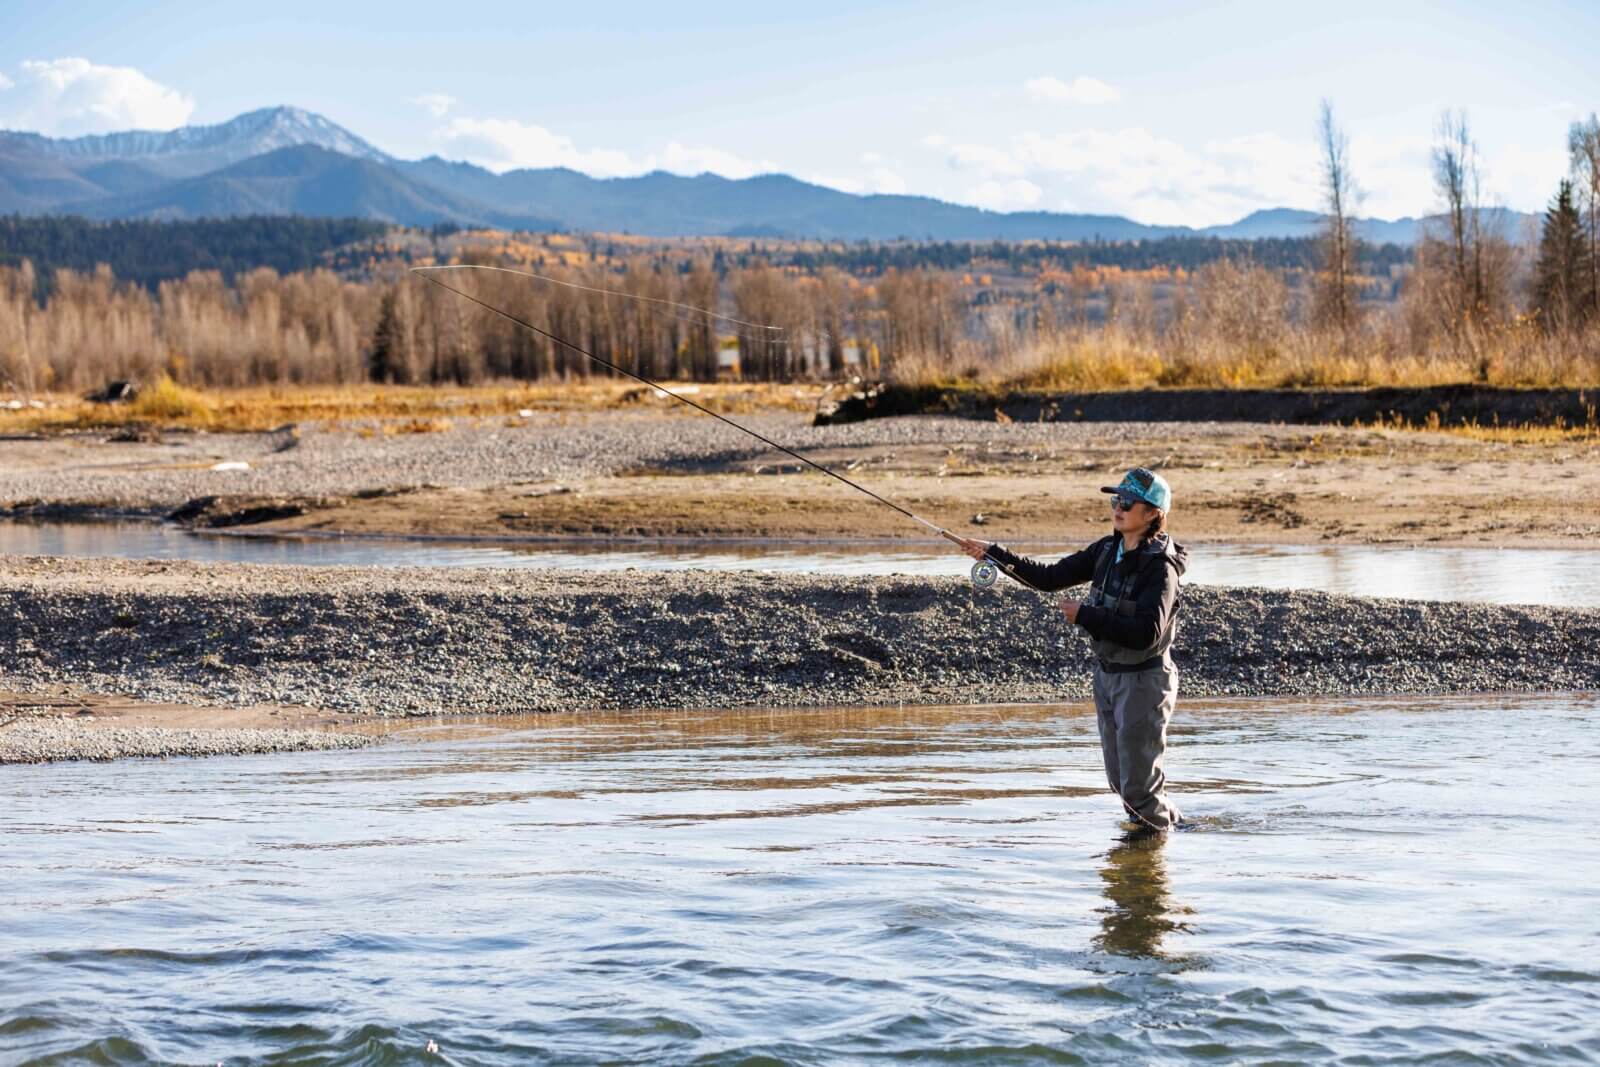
(1063, 574)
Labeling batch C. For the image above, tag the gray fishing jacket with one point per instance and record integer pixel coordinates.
(1131, 611)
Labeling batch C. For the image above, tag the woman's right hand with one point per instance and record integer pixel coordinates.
(975, 549)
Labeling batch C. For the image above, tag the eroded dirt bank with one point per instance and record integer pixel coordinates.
(1440, 405)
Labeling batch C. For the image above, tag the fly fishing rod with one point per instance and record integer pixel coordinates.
(984, 573)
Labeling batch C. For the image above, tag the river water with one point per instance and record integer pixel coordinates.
(1502, 576)
(1369, 881)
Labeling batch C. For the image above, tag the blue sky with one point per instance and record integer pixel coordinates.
(1165, 112)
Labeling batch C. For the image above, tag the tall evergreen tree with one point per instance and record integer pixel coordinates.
(1560, 279)
(388, 360)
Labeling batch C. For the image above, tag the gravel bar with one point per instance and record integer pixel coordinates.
(41, 740)
(412, 641)
(93, 468)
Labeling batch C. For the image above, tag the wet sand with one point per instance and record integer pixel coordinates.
(64, 723)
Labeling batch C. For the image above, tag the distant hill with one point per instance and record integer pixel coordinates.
(1272, 222)
(1289, 222)
(312, 181)
(769, 205)
(283, 161)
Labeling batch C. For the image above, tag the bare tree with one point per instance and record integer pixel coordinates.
(1583, 147)
(832, 304)
(1335, 303)
(1458, 181)
(1454, 162)
(700, 344)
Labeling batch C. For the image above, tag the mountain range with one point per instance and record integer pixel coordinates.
(286, 161)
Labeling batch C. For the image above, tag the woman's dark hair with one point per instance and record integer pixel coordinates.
(1158, 526)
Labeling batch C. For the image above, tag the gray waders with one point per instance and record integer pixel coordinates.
(1132, 710)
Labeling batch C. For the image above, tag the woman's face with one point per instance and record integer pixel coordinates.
(1126, 519)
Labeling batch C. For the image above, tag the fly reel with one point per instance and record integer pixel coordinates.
(985, 573)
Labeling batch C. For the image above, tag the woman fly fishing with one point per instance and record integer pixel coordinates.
(1130, 616)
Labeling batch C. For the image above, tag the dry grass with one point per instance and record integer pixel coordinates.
(168, 402)
(1098, 360)
(1560, 432)
(395, 409)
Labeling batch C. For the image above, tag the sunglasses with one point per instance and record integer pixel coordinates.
(1125, 502)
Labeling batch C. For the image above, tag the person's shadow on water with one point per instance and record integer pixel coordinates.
(1139, 909)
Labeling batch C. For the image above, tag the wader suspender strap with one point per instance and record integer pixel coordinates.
(1102, 571)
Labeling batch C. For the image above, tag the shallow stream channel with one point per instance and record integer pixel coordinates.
(1366, 881)
(1554, 577)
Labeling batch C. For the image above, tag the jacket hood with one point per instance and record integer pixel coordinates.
(1178, 555)
(1164, 545)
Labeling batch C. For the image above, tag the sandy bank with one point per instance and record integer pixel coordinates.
(657, 474)
(64, 724)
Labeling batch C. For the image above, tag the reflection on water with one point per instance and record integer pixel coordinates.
(1369, 882)
(1140, 910)
(1500, 576)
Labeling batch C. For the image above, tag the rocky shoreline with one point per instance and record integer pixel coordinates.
(417, 641)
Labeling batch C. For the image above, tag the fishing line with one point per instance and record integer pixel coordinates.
(986, 567)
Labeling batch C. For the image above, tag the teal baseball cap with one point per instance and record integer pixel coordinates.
(1146, 485)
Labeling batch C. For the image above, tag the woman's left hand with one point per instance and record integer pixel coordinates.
(974, 548)
(1069, 608)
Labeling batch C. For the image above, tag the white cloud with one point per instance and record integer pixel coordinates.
(1154, 179)
(1135, 173)
(436, 104)
(986, 159)
(691, 160)
(883, 180)
(70, 97)
(506, 144)
(1080, 90)
(935, 140)
(880, 177)
(1014, 194)
(1393, 175)
(878, 180)
(1524, 178)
